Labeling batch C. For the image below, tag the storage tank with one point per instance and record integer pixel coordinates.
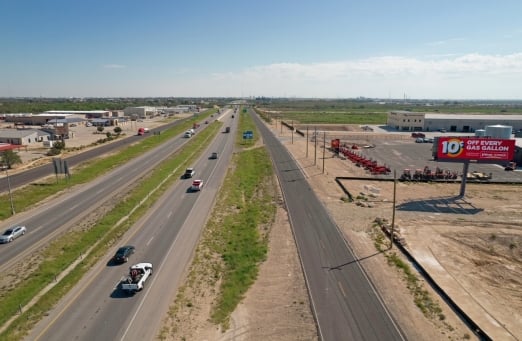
(499, 131)
(480, 132)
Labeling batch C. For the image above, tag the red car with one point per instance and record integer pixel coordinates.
(196, 185)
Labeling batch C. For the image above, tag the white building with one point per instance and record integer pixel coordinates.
(465, 123)
(140, 112)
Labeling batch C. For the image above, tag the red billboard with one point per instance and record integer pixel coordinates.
(475, 148)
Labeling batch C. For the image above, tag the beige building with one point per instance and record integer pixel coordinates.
(406, 120)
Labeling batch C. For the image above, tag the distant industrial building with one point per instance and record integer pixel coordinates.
(464, 123)
(23, 136)
(140, 112)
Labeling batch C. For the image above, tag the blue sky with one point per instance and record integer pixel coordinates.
(288, 48)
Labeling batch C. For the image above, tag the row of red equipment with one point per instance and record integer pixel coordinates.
(360, 161)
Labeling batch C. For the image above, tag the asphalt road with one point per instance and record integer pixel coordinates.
(97, 309)
(33, 174)
(345, 303)
(62, 212)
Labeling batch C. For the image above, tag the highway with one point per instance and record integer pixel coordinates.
(55, 215)
(28, 176)
(345, 304)
(96, 309)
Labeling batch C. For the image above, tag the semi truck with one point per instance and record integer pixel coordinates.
(142, 131)
(138, 275)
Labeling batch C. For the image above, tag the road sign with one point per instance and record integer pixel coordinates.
(248, 135)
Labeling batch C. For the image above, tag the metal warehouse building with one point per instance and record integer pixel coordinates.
(465, 123)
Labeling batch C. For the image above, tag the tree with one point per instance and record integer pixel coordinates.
(59, 145)
(10, 158)
(57, 148)
(117, 130)
(100, 128)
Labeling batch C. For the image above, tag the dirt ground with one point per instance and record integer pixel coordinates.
(471, 246)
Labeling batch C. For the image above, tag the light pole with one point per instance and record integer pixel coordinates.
(9, 189)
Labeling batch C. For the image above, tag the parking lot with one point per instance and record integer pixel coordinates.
(400, 154)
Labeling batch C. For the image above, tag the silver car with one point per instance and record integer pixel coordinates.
(12, 233)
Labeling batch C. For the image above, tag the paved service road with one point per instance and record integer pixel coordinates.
(97, 309)
(345, 303)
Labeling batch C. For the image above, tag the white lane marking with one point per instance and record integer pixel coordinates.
(150, 240)
(341, 288)
(118, 283)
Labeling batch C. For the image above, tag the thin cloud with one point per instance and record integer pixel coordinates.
(462, 76)
(444, 42)
(114, 66)
(470, 64)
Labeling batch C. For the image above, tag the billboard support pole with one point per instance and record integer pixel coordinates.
(465, 169)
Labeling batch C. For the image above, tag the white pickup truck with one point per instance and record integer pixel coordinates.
(138, 274)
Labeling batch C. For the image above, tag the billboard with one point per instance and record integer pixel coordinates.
(475, 148)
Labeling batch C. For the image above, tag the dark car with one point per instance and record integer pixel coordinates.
(189, 172)
(123, 253)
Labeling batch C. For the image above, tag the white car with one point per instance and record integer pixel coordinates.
(196, 185)
(12, 233)
(189, 173)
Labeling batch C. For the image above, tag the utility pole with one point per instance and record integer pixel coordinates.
(292, 131)
(315, 146)
(9, 190)
(324, 147)
(307, 142)
(393, 212)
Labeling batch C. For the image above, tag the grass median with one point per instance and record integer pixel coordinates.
(235, 239)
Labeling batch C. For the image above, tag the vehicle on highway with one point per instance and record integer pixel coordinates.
(12, 233)
(189, 172)
(206, 122)
(138, 275)
(419, 140)
(187, 134)
(141, 131)
(227, 130)
(196, 185)
(123, 253)
(214, 155)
